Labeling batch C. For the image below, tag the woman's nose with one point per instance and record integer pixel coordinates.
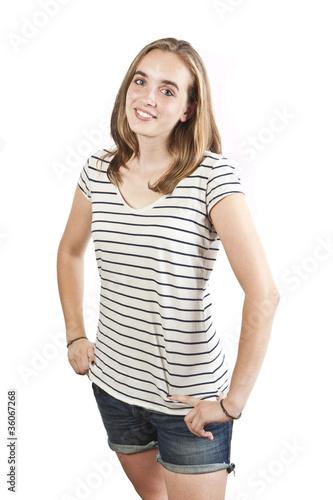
(149, 97)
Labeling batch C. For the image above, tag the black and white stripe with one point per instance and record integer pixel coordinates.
(155, 333)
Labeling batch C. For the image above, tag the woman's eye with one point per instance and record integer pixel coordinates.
(167, 92)
(139, 81)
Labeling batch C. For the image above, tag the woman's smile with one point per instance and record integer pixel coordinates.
(143, 115)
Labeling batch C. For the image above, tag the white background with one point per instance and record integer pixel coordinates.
(62, 64)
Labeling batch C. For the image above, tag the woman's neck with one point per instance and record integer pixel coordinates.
(153, 155)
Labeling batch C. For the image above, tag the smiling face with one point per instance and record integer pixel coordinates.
(157, 97)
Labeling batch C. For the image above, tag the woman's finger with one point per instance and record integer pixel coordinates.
(91, 356)
(188, 400)
(205, 434)
(193, 419)
(194, 424)
(81, 365)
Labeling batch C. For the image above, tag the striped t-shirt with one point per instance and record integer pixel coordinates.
(155, 334)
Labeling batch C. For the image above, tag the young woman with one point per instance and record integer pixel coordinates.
(157, 205)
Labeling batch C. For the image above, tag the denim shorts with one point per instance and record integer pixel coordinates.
(132, 429)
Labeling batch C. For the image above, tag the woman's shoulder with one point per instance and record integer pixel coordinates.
(98, 161)
(212, 161)
(102, 156)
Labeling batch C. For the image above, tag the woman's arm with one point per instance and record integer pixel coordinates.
(234, 225)
(70, 261)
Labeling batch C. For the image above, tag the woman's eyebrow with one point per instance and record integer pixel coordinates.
(165, 82)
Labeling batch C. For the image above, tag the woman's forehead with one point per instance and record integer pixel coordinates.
(161, 65)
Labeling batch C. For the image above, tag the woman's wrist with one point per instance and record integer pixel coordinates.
(70, 342)
(231, 408)
(229, 413)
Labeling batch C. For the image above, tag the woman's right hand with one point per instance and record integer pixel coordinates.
(80, 355)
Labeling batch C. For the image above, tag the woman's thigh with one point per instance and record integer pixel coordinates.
(207, 486)
(145, 474)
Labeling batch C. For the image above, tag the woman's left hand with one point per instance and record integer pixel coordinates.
(203, 413)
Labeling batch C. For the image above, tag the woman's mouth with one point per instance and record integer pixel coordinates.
(143, 115)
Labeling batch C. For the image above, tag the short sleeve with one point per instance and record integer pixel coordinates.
(222, 181)
(84, 181)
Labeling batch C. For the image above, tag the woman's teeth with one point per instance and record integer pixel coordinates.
(144, 115)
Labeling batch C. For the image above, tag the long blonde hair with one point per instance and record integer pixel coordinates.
(188, 140)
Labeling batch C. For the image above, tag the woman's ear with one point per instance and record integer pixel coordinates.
(189, 112)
